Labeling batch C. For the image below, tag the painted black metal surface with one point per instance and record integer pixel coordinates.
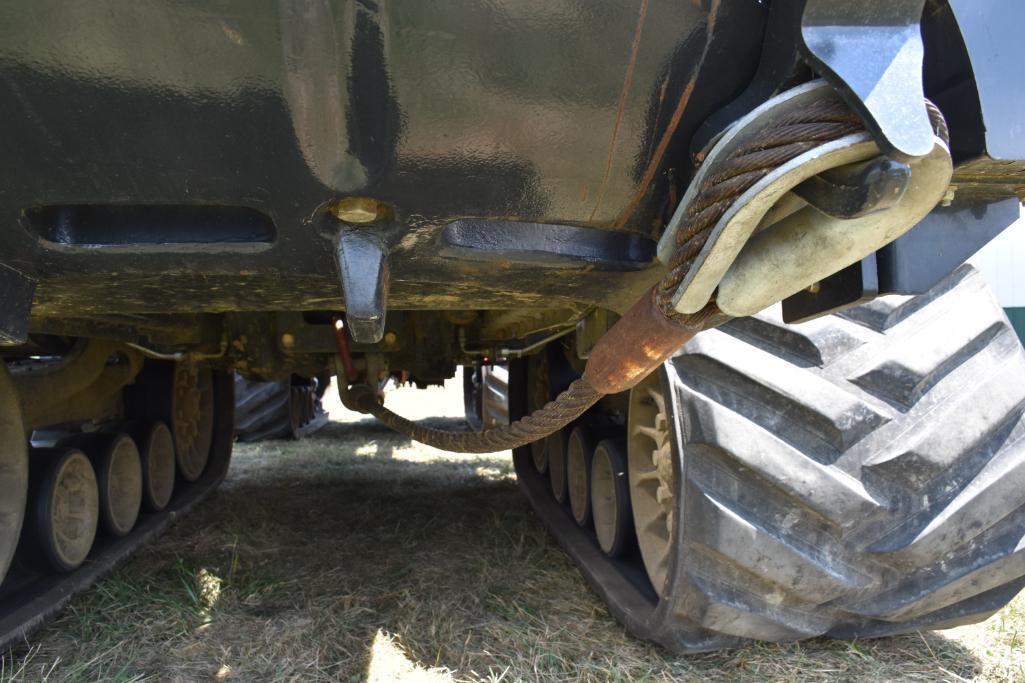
(854, 285)
(569, 114)
(945, 239)
(547, 245)
(911, 264)
(779, 64)
(991, 30)
(129, 225)
(578, 115)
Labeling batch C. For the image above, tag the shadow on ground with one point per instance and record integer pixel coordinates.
(357, 555)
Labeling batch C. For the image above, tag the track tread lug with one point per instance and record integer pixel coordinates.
(896, 445)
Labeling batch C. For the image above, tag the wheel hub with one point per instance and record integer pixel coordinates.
(193, 419)
(75, 510)
(652, 477)
(186, 403)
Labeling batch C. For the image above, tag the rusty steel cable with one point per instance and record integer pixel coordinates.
(824, 121)
(559, 412)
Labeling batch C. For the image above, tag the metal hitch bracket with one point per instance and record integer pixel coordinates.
(363, 269)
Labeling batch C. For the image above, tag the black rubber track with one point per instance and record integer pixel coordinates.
(855, 476)
(263, 410)
(29, 599)
(858, 475)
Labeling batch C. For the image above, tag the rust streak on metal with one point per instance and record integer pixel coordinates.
(627, 82)
(681, 107)
(637, 344)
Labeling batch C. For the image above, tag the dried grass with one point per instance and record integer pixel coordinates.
(355, 555)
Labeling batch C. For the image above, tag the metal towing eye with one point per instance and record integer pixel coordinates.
(792, 192)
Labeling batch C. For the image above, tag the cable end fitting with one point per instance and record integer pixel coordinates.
(638, 343)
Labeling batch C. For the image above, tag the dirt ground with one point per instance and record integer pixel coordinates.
(356, 555)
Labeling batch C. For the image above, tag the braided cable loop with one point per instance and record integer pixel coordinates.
(792, 135)
(556, 414)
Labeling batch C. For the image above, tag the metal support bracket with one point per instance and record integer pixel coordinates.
(858, 189)
(872, 52)
(363, 269)
(911, 264)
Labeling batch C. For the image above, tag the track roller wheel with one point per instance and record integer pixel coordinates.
(66, 507)
(119, 478)
(579, 454)
(64, 513)
(156, 457)
(610, 498)
(14, 471)
(192, 418)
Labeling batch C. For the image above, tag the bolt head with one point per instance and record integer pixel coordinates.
(359, 210)
(287, 341)
(390, 338)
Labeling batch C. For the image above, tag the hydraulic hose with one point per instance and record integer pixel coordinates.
(652, 330)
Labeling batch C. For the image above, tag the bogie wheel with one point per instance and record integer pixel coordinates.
(157, 460)
(610, 498)
(119, 478)
(858, 475)
(549, 374)
(192, 424)
(66, 505)
(14, 471)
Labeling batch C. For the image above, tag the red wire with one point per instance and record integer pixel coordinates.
(342, 340)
